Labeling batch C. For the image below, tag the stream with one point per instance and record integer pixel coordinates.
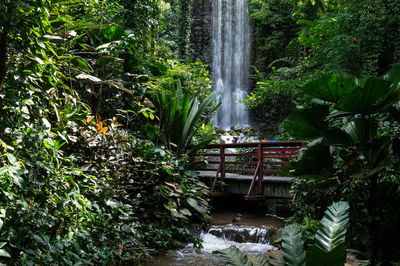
(251, 234)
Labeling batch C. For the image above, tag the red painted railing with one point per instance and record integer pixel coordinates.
(257, 158)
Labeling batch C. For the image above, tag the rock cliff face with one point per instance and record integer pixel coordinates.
(201, 30)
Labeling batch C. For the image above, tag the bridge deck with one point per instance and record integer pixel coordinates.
(255, 167)
(232, 177)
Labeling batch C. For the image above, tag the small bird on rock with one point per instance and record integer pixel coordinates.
(237, 218)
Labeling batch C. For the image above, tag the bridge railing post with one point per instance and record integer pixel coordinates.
(222, 162)
(260, 159)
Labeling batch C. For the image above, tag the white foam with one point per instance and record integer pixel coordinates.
(212, 243)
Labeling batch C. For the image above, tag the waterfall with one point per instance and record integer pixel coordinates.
(231, 60)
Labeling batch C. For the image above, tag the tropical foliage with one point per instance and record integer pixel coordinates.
(350, 146)
(298, 41)
(80, 180)
(180, 116)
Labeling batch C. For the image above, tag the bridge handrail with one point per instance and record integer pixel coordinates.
(279, 150)
(254, 144)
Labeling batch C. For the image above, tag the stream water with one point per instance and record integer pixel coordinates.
(251, 234)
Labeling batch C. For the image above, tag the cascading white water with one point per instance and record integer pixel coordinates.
(231, 60)
(251, 240)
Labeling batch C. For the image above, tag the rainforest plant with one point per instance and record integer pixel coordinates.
(180, 116)
(348, 146)
(80, 182)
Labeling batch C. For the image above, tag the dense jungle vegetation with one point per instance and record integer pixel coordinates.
(91, 168)
(100, 101)
(297, 41)
(335, 62)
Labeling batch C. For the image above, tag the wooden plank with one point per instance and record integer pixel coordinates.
(222, 165)
(240, 170)
(230, 176)
(241, 154)
(240, 163)
(281, 152)
(293, 143)
(260, 171)
(279, 156)
(254, 179)
(266, 171)
(255, 197)
(280, 149)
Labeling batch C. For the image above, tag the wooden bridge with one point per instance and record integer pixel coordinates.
(249, 169)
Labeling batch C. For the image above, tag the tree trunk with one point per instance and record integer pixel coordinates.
(3, 57)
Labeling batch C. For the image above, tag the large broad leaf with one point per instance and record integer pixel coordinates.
(331, 87)
(316, 160)
(392, 97)
(293, 246)
(394, 73)
(337, 136)
(370, 98)
(4, 253)
(235, 257)
(378, 153)
(362, 130)
(308, 123)
(329, 246)
(196, 205)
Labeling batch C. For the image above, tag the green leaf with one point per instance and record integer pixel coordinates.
(366, 99)
(235, 257)
(89, 77)
(394, 73)
(192, 202)
(308, 123)
(316, 160)
(378, 153)
(331, 87)
(11, 158)
(337, 136)
(361, 130)
(200, 145)
(329, 246)
(4, 253)
(293, 246)
(81, 64)
(179, 114)
(196, 111)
